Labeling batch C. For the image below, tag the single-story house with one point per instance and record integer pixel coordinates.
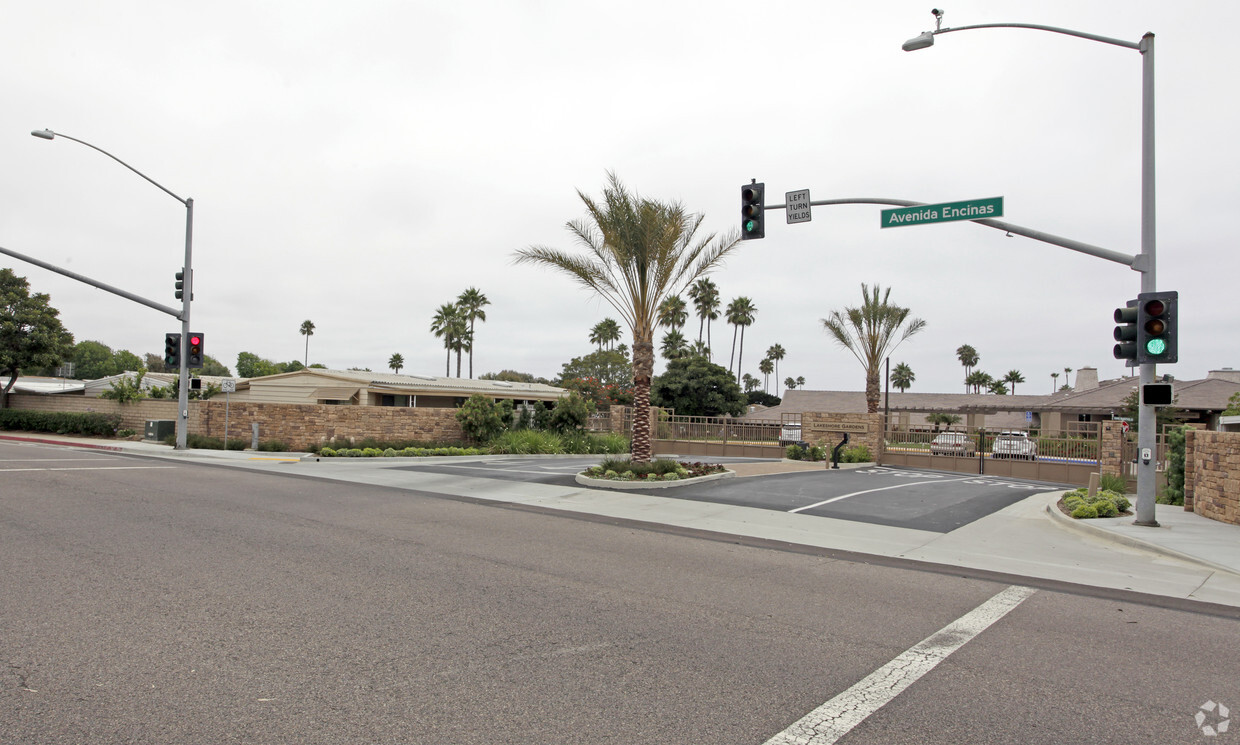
(362, 388)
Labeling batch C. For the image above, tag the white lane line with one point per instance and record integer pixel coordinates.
(881, 488)
(840, 715)
(88, 468)
(47, 460)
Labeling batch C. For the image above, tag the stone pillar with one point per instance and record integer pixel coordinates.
(1190, 469)
(1111, 448)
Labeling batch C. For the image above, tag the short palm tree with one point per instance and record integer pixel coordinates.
(749, 382)
(307, 330)
(776, 353)
(902, 377)
(396, 362)
(872, 332)
(471, 302)
(740, 314)
(639, 252)
(1013, 377)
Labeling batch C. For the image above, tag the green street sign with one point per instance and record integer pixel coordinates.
(972, 209)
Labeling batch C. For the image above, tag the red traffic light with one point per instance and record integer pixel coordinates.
(195, 340)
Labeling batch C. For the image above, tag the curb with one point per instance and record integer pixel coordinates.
(1085, 528)
(627, 485)
(66, 443)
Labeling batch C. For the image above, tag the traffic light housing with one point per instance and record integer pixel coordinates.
(193, 352)
(753, 205)
(180, 285)
(172, 350)
(1126, 333)
(1156, 327)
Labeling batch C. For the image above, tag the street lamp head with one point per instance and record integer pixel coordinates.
(921, 41)
(45, 134)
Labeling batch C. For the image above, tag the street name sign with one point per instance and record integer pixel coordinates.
(971, 209)
(797, 206)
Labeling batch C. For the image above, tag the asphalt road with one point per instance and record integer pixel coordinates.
(155, 602)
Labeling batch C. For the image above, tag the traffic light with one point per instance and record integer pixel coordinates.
(172, 350)
(180, 285)
(1156, 327)
(1126, 333)
(194, 353)
(753, 203)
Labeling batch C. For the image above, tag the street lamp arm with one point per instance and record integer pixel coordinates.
(1053, 29)
(47, 134)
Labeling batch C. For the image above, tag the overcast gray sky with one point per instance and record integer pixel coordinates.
(359, 164)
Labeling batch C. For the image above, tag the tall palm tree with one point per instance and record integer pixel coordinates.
(307, 330)
(611, 332)
(800, 381)
(446, 324)
(705, 297)
(1067, 380)
(750, 382)
(902, 377)
(672, 313)
(639, 252)
(674, 345)
(740, 314)
(1054, 381)
(870, 333)
(969, 358)
(1013, 377)
(462, 340)
(396, 362)
(596, 335)
(766, 367)
(978, 380)
(776, 353)
(471, 302)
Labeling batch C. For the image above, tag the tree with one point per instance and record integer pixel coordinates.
(1054, 381)
(775, 353)
(674, 345)
(978, 380)
(93, 360)
(870, 333)
(790, 382)
(307, 330)
(740, 313)
(512, 376)
(448, 324)
(672, 313)
(1013, 377)
(605, 332)
(250, 365)
(213, 367)
(695, 386)
(31, 335)
(471, 302)
(1164, 415)
(396, 362)
(127, 388)
(766, 367)
(998, 387)
(705, 297)
(800, 381)
(640, 251)
(127, 361)
(750, 382)
(939, 418)
(1067, 379)
(902, 377)
(969, 358)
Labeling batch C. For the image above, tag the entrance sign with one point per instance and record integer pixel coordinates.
(797, 206)
(972, 209)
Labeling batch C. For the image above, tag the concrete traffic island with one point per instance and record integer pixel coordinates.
(594, 483)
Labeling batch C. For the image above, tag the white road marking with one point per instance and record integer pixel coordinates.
(47, 460)
(837, 717)
(881, 488)
(500, 469)
(88, 468)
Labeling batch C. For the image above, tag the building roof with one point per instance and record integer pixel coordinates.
(338, 380)
(31, 384)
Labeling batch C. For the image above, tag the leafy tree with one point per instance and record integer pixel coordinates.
(902, 377)
(1233, 405)
(800, 381)
(979, 380)
(740, 313)
(291, 366)
(1013, 377)
(639, 252)
(672, 313)
(212, 366)
(512, 376)
(695, 386)
(570, 413)
(126, 389)
(127, 361)
(1164, 415)
(155, 363)
(766, 367)
(396, 362)
(93, 360)
(870, 333)
(1067, 380)
(608, 367)
(969, 358)
(31, 335)
(761, 398)
(482, 418)
(471, 302)
(1176, 453)
(790, 383)
(307, 330)
(250, 365)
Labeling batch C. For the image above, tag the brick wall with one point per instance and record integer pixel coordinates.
(133, 415)
(819, 428)
(1212, 474)
(1111, 449)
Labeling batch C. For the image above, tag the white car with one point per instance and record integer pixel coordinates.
(953, 443)
(1014, 444)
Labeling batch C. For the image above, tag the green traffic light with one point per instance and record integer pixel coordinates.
(749, 226)
(1156, 346)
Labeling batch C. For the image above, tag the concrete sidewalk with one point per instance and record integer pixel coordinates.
(1188, 556)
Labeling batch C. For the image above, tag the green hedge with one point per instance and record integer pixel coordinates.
(61, 422)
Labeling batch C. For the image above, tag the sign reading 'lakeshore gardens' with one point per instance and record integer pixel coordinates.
(973, 209)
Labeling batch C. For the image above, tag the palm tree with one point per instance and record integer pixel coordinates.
(674, 345)
(471, 302)
(800, 381)
(978, 380)
(902, 377)
(672, 313)
(1013, 377)
(610, 332)
(741, 315)
(598, 334)
(640, 252)
(790, 383)
(750, 382)
(1054, 381)
(766, 367)
(307, 330)
(396, 362)
(998, 387)
(869, 332)
(705, 297)
(699, 349)
(776, 353)
(462, 340)
(969, 358)
(1066, 380)
(447, 324)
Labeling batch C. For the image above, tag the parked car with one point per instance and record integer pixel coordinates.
(953, 443)
(1014, 444)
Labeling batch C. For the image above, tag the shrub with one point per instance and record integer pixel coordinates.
(481, 418)
(794, 452)
(1113, 482)
(527, 442)
(1174, 492)
(1084, 512)
(673, 476)
(326, 452)
(858, 454)
(272, 446)
(571, 412)
(390, 453)
(1105, 508)
(817, 452)
(60, 422)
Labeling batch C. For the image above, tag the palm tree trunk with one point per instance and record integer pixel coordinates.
(643, 368)
(447, 365)
(740, 352)
(471, 350)
(307, 350)
(732, 356)
(871, 391)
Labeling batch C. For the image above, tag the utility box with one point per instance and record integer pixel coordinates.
(158, 429)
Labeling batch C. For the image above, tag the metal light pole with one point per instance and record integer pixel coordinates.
(1144, 262)
(187, 289)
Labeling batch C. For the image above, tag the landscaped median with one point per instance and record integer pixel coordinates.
(620, 473)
